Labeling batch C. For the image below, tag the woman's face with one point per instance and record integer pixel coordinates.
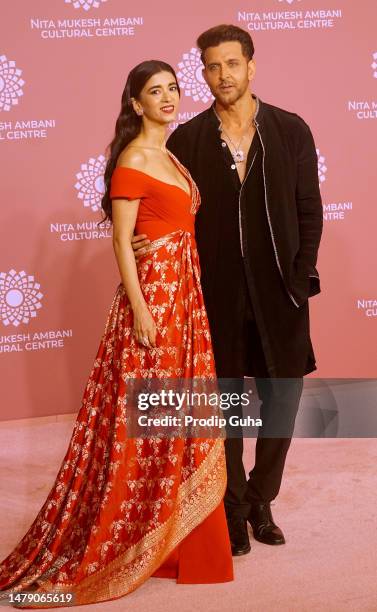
(159, 98)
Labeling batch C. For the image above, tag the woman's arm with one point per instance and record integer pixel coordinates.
(124, 220)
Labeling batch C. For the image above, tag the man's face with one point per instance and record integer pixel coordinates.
(227, 72)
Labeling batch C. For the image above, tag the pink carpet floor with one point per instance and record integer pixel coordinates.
(327, 509)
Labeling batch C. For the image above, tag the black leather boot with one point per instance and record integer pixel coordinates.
(239, 537)
(262, 523)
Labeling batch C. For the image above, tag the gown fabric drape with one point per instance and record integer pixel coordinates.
(123, 509)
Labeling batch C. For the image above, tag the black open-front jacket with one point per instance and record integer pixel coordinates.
(293, 211)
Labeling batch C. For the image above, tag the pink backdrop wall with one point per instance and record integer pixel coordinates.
(63, 65)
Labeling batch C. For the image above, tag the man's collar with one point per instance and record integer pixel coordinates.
(215, 119)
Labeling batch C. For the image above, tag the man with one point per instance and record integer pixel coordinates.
(258, 232)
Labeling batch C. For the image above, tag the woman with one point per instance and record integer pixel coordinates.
(122, 508)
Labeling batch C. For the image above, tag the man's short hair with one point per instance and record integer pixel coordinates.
(226, 33)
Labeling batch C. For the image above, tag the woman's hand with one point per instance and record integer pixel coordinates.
(144, 326)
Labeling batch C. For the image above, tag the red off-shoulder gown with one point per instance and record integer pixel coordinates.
(123, 509)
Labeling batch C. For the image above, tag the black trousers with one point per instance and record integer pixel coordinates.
(280, 402)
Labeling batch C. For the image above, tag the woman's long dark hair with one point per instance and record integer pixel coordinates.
(128, 124)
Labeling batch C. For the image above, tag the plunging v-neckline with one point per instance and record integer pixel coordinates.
(174, 160)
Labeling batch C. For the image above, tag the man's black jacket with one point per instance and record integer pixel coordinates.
(292, 195)
(293, 210)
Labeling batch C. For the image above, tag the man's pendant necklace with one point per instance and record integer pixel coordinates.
(237, 154)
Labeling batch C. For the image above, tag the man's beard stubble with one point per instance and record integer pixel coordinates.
(228, 100)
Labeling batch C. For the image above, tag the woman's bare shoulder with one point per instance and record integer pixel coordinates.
(133, 157)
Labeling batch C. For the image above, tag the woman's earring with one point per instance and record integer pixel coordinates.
(139, 112)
